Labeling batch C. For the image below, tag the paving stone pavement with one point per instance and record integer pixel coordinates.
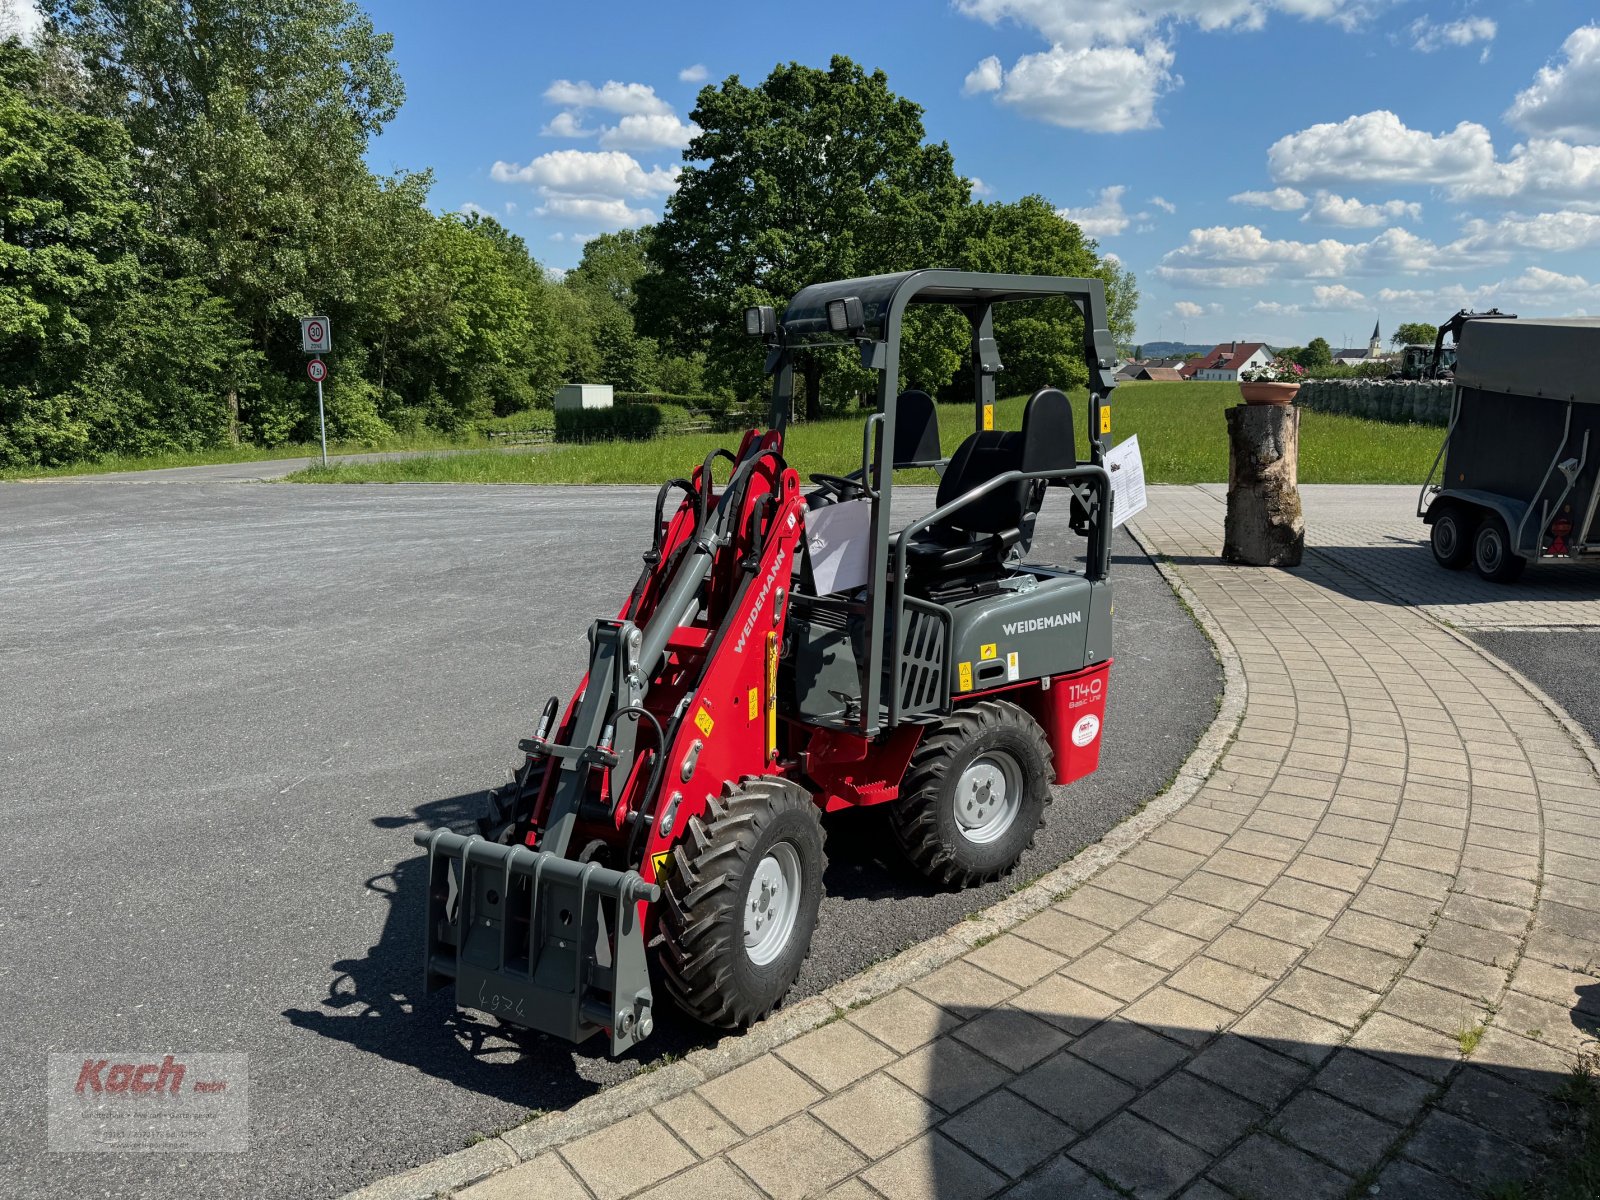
(1362, 954)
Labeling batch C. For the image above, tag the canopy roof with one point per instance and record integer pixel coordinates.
(807, 312)
(1559, 359)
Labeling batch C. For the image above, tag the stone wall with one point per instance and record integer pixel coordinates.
(1401, 402)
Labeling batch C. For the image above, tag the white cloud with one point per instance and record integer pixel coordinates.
(1535, 292)
(576, 239)
(590, 173)
(1210, 253)
(469, 209)
(987, 76)
(20, 19)
(610, 95)
(568, 123)
(1165, 205)
(1283, 199)
(978, 187)
(1556, 232)
(1087, 22)
(1188, 310)
(1103, 89)
(1377, 147)
(1215, 277)
(1427, 35)
(1106, 217)
(694, 74)
(1329, 209)
(612, 213)
(555, 274)
(1564, 100)
(655, 131)
(1324, 298)
(593, 186)
(1116, 52)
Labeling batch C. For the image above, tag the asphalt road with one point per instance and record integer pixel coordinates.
(224, 710)
(1561, 662)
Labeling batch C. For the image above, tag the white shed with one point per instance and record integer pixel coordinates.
(584, 395)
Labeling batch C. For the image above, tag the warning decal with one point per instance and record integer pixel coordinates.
(755, 703)
(966, 676)
(658, 863)
(703, 721)
(1013, 670)
(987, 651)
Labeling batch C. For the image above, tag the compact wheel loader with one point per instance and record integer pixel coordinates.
(788, 652)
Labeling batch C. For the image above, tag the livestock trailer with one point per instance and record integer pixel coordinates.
(1519, 471)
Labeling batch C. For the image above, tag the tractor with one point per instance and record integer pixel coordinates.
(1438, 361)
(788, 652)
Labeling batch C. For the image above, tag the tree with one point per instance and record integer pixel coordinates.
(69, 232)
(1415, 333)
(811, 175)
(1042, 343)
(1317, 353)
(250, 121)
(606, 279)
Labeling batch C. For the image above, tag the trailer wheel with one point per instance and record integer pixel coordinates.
(1451, 537)
(740, 902)
(974, 794)
(1491, 551)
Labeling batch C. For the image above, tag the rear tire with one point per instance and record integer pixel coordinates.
(974, 794)
(740, 902)
(1452, 537)
(1491, 552)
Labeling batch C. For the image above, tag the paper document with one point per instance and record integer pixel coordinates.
(1127, 480)
(838, 537)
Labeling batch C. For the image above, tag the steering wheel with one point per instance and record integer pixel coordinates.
(838, 484)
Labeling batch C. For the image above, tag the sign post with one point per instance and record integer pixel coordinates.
(316, 337)
(318, 371)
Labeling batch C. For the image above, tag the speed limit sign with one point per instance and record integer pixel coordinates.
(316, 335)
(317, 370)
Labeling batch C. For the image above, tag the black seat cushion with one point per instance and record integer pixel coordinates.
(980, 534)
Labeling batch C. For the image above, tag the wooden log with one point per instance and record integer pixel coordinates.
(1264, 526)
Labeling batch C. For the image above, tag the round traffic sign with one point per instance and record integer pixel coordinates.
(314, 331)
(317, 369)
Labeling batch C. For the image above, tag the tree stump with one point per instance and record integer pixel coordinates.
(1264, 525)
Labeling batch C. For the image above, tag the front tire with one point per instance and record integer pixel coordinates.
(974, 794)
(1491, 552)
(1452, 538)
(740, 900)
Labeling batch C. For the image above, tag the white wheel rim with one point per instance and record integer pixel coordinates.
(772, 904)
(988, 797)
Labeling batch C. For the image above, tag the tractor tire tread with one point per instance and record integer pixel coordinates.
(915, 821)
(700, 916)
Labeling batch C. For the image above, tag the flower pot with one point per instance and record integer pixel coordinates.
(1268, 393)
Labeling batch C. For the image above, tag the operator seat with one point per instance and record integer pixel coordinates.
(980, 535)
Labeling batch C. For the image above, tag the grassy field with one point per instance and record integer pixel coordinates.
(1179, 425)
(238, 454)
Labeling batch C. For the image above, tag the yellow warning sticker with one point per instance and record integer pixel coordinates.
(658, 863)
(755, 703)
(988, 650)
(988, 416)
(704, 721)
(1105, 418)
(966, 676)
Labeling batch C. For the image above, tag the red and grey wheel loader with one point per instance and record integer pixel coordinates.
(789, 652)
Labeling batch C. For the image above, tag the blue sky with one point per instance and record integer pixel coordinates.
(1269, 169)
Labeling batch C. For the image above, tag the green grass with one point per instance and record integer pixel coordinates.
(1180, 426)
(236, 454)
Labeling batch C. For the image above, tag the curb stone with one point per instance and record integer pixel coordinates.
(653, 1087)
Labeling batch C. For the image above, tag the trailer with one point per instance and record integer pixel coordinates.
(1519, 470)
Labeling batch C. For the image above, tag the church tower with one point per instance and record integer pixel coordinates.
(1375, 346)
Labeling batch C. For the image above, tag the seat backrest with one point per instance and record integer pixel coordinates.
(977, 460)
(1046, 442)
(1049, 436)
(916, 430)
